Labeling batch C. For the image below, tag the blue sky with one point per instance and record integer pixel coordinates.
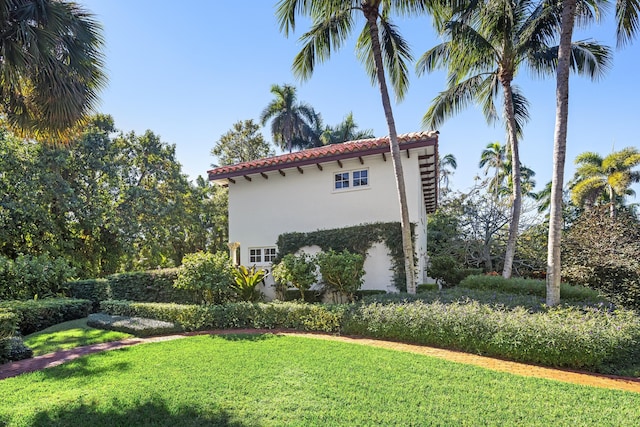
(189, 70)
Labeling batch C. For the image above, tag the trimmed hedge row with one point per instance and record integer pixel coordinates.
(530, 287)
(36, 315)
(589, 338)
(143, 286)
(287, 315)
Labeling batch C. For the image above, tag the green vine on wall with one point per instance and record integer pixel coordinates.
(357, 239)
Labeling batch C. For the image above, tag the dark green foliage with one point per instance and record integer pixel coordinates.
(531, 287)
(589, 339)
(8, 323)
(363, 293)
(342, 272)
(209, 275)
(312, 296)
(95, 290)
(13, 349)
(447, 271)
(603, 253)
(35, 315)
(426, 287)
(288, 315)
(150, 286)
(357, 239)
(137, 326)
(246, 281)
(29, 276)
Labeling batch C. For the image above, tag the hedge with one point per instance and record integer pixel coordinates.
(275, 315)
(143, 286)
(571, 337)
(530, 287)
(137, 326)
(35, 315)
(589, 339)
(8, 323)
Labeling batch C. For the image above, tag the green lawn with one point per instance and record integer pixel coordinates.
(68, 335)
(267, 380)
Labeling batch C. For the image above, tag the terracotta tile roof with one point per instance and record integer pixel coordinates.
(344, 150)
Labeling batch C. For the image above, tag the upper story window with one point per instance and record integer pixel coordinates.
(262, 255)
(352, 179)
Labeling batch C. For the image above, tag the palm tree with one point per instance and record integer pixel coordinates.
(347, 130)
(50, 66)
(607, 178)
(446, 165)
(627, 26)
(494, 157)
(485, 49)
(380, 47)
(292, 123)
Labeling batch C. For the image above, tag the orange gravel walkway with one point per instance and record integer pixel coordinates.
(595, 380)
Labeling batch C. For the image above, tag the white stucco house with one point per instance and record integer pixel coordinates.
(331, 187)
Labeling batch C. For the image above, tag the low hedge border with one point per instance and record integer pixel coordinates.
(8, 323)
(275, 315)
(36, 315)
(137, 326)
(589, 338)
(530, 287)
(13, 349)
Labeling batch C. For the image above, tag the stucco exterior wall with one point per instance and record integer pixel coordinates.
(262, 209)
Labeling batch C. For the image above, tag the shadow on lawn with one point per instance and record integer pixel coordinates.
(249, 336)
(154, 413)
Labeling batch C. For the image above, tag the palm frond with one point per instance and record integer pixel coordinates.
(627, 21)
(451, 101)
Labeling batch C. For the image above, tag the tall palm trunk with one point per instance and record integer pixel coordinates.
(515, 175)
(559, 151)
(371, 14)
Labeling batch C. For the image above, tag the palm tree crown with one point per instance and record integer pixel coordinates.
(608, 179)
(50, 65)
(292, 122)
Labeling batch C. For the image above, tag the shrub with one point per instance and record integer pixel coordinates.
(298, 271)
(8, 323)
(427, 287)
(273, 315)
(246, 281)
(35, 315)
(150, 286)
(95, 290)
(603, 253)
(211, 275)
(312, 296)
(342, 272)
(362, 293)
(13, 349)
(589, 339)
(30, 276)
(447, 271)
(137, 326)
(530, 287)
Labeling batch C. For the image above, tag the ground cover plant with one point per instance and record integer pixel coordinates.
(227, 380)
(68, 335)
(138, 326)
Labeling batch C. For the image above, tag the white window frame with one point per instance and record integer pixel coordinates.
(262, 255)
(351, 181)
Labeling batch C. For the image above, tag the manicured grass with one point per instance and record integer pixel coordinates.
(267, 380)
(67, 335)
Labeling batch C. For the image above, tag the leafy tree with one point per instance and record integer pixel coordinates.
(51, 66)
(242, 143)
(572, 11)
(292, 122)
(342, 272)
(603, 253)
(608, 178)
(298, 271)
(382, 50)
(486, 45)
(210, 274)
